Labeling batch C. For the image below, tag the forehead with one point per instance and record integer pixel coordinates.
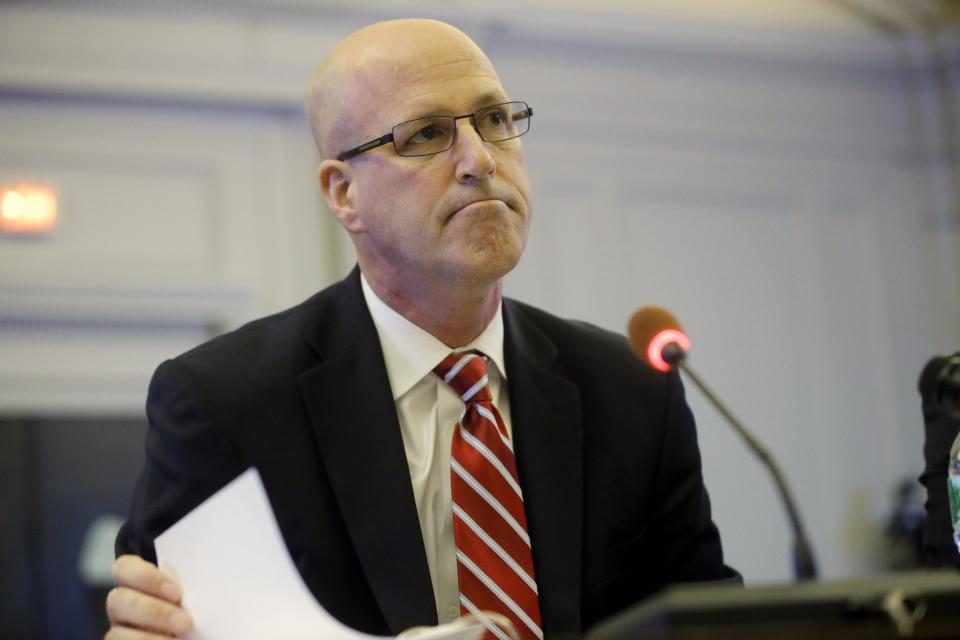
(448, 80)
(428, 81)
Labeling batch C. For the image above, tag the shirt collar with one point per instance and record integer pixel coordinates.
(410, 353)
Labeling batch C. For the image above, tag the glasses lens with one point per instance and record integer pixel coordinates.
(503, 121)
(424, 136)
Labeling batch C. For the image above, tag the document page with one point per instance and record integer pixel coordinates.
(239, 582)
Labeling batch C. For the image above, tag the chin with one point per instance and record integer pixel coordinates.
(493, 265)
(490, 251)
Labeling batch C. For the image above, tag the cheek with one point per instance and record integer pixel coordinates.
(527, 195)
(383, 195)
(514, 171)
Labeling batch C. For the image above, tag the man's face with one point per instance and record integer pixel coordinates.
(460, 217)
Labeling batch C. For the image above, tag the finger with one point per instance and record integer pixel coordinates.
(499, 626)
(126, 633)
(136, 573)
(131, 608)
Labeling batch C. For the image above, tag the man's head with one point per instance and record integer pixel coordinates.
(458, 218)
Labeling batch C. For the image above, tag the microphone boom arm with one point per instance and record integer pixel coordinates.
(805, 566)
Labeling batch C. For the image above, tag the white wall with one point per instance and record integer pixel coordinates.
(767, 184)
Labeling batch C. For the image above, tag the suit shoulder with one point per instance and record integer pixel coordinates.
(574, 332)
(276, 340)
(583, 344)
(268, 330)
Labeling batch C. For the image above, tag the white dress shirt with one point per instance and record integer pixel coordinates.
(428, 409)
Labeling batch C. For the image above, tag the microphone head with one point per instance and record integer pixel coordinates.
(654, 331)
(930, 377)
(940, 383)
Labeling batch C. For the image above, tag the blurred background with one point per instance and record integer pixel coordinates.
(782, 175)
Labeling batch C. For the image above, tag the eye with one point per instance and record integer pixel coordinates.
(495, 118)
(426, 134)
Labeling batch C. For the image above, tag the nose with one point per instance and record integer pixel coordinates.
(474, 160)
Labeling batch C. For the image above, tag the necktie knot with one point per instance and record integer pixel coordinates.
(466, 373)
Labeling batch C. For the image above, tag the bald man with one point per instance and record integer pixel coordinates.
(337, 404)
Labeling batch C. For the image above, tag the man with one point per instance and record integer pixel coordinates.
(340, 405)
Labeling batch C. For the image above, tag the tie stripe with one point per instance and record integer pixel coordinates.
(483, 618)
(504, 438)
(492, 459)
(516, 543)
(464, 519)
(478, 489)
(493, 587)
(464, 360)
(472, 391)
(494, 559)
(495, 443)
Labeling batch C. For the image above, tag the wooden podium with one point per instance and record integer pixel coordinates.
(901, 605)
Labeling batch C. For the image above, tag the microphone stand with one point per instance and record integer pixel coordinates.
(804, 564)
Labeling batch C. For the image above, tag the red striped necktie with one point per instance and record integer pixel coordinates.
(494, 562)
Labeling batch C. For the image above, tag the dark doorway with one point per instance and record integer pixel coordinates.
(58, 476)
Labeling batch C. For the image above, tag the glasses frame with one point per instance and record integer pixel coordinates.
(384, 139)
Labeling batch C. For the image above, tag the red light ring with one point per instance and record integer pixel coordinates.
(659, 342)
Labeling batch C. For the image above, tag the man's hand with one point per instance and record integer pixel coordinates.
(146, 603)
(467, 627)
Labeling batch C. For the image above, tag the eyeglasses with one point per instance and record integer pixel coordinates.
(435, 134)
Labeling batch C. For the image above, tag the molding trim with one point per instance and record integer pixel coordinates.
(174, 304)
(259, 54)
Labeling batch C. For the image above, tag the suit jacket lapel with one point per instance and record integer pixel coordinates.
(355, 422)
(545, 412)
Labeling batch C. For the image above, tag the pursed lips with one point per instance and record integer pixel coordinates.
(460, 206)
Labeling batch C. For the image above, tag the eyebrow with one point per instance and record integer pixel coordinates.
(487, 99)
(484, 100)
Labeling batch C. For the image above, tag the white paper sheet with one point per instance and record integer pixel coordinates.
(239, 582)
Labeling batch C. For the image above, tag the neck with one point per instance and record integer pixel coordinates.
(455, 313)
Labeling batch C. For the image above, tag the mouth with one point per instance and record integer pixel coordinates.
(485, 205)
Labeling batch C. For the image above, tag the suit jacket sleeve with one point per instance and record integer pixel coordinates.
(188, 458)
(680, 522)
(664, 533)
(616, 440)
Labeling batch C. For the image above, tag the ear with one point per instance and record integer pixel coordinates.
(338, 186)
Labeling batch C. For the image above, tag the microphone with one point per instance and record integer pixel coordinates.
(657, 338)
(940, 383)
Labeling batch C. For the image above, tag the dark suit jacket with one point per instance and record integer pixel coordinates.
(606, 453)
